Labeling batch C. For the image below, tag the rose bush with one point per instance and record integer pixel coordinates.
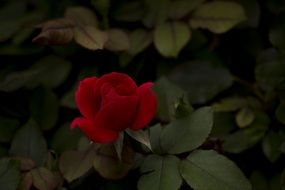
(112, 103)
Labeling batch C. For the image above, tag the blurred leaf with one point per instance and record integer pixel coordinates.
(245, 117)
(108, 165)
(29, 142)
(140, 136)
(224, 123)
(270, 71)
(17, 79)
(258, 181)
(44, 107)
(57, 68)
(280, 113)
(130, 12)
(82, 16)
(276, 34)
(252, 11)
(275, 6)
(168, 95)
(246, 138)
(10, 15)
(9, 174)
(90, 37)
(271, 145)
(3, 151)
(180, 8)
(55, 32)
(26, 164)
(26, 181)
(206, 169)
(186, 134)
(171, 37)
(197, 79)
(74, 164)
(118, 40)
(160, 173)
(44, 179)
(65, 138)
(102, 6)
(218, 16)
(229, 104)
(140, 39)
(68, 99)
(155, 12)
(8, 127)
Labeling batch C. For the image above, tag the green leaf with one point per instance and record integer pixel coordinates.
(218, 16)
(206, 169)
(65, 138)
(248, 137)
(259, 181)
(118, 40)
(270, 71)
(171, 37)
(74, 164)
(275, 6)
(154, 135)
(9, 174)
(168, 95)
(108, 165)
(161, 173)
(276, 36)
(29, 142)
(196, 78)
(155, 12)
(8, 127)
(130, 12)
(224, 123)
(181, 8)
(68, 99)
(271, 145)
(139, 40)
(186, 134)
(44, 107)
(280, 113)
(10, 19)
(140, 136)
(57, 68)
(245, 117)
(118, 144)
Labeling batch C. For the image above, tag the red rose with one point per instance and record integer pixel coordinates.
(112, 103)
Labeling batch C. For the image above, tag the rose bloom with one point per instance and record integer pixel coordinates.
(112, 103)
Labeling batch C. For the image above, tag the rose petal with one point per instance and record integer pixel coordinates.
(146, 106)
(117, 112)
(125, 84)
(86, 101)
(96, 134)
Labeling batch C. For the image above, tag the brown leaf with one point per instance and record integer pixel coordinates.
(55, 32)
(81, 16)
(44, 179)
(26, 182)
(118, 40)
(90, 37)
